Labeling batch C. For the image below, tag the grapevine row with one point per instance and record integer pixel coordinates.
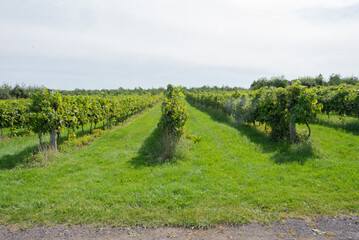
(172, 121)
(282, 108)
(342, 100)
(49, 112)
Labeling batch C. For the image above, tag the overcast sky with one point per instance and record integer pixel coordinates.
(96, 44)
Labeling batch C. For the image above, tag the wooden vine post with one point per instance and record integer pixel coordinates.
(292, 132)
(53, 142)
(292, 94)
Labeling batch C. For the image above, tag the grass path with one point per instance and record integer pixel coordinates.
(271, 179)
(14, 150)
(233, 175)
(70, 189)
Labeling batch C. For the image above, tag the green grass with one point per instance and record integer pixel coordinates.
(22, 150)
(350, 124)
(17, 151)
(234, 175)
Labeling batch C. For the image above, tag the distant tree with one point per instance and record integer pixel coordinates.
(5, 91)
(350, 80)
(312, 81)
(259, 83)
(273, 82)
(320, 81)
(334, 80)
(279, 82)
(18, 92)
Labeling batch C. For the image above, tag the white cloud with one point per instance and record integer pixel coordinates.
(275, 37)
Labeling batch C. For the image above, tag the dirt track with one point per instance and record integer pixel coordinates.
(329, 228)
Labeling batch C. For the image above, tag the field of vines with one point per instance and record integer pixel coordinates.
(50, 112)
(282, 108)
(198, 159)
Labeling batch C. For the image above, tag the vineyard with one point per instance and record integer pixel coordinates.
(250, 156)
(282, 108)
(50, 112)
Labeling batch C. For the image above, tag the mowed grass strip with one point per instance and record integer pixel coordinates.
(18, 152)
(273, 179)
(233, 175)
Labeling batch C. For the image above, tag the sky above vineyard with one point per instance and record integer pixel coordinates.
(97, 44)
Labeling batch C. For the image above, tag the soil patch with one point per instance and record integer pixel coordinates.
(325, 228)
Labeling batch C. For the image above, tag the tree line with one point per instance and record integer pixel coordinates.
(17, 91)
(334, 80)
